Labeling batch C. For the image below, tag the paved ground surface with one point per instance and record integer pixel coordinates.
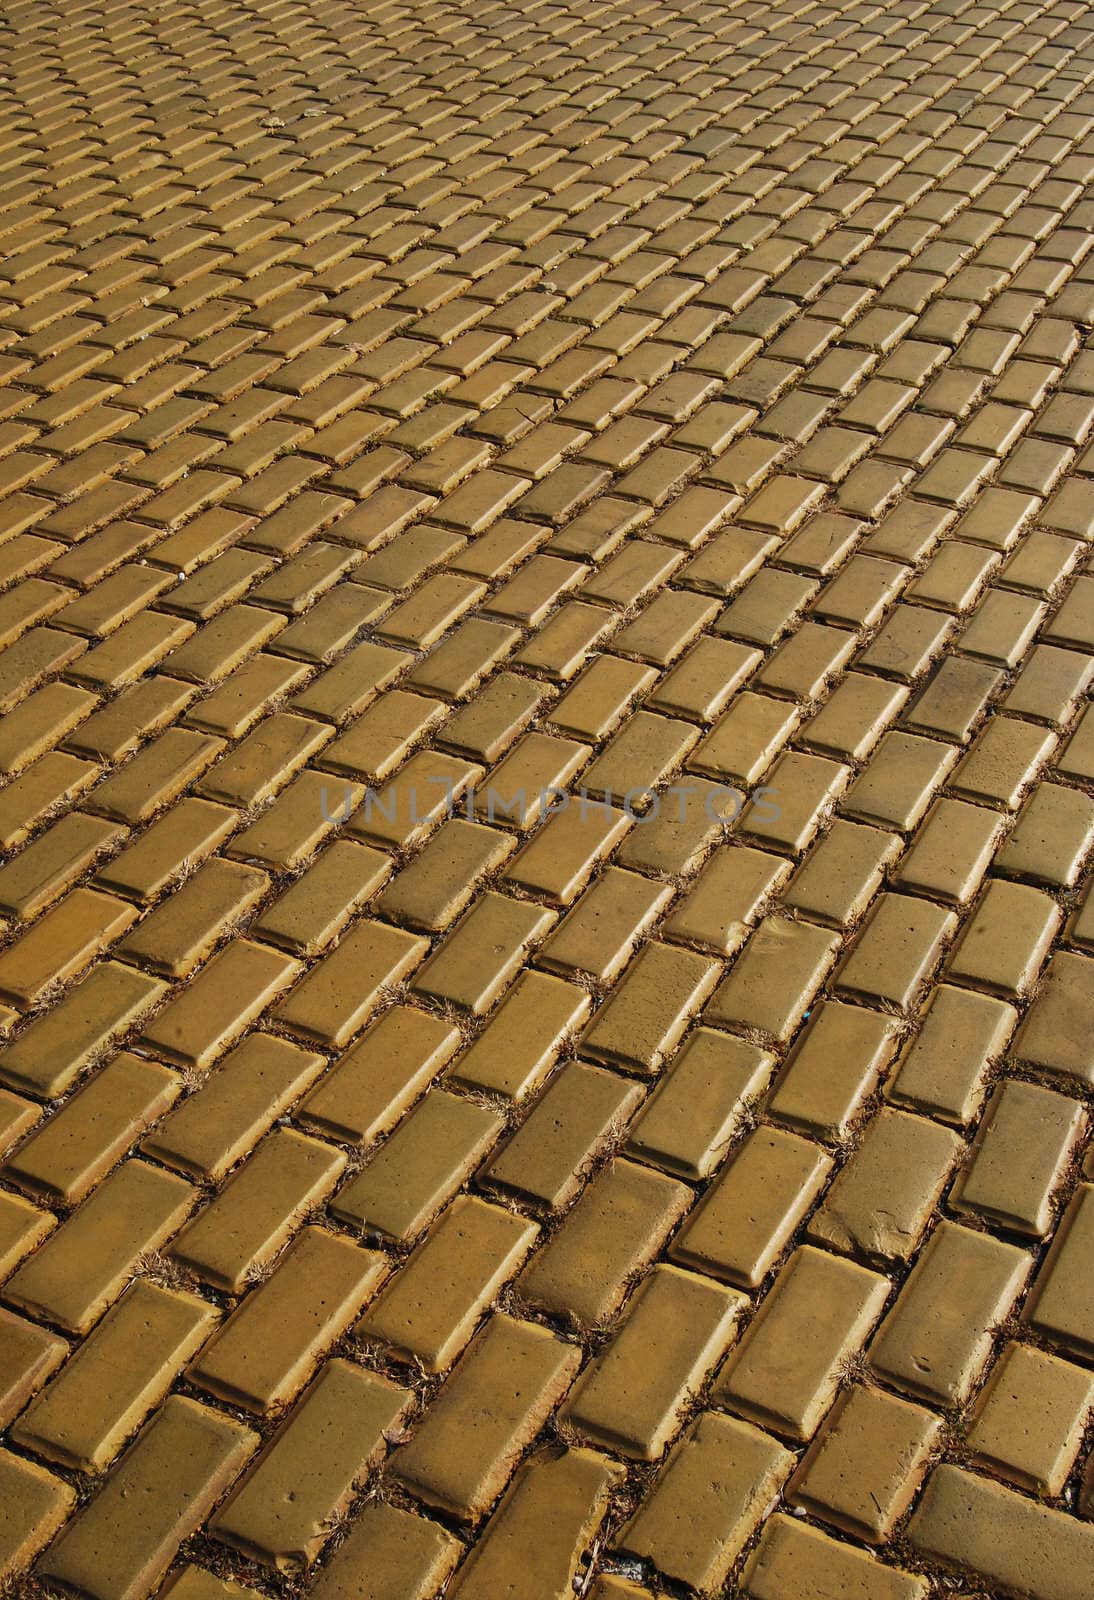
(450, 457)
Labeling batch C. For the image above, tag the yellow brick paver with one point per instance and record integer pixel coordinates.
(546, 799)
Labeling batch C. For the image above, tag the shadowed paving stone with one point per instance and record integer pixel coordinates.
(195, 1583)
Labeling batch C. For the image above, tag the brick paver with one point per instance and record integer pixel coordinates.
(546, 795)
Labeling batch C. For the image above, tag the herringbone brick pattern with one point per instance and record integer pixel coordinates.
(547, 611)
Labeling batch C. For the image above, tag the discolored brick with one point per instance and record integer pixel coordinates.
(745, 1221)
(123, 1371)
(429, 1313)
(863, 1471)
(549, 1518)
(954, 1324)
(676, 1326)
(283, 1511)
(509, 1380)
(792, 1557)
(708, 1500)
(89, 1260)
(971, 1523)
(124, 1540)
(267, 1349)
(776, 1380)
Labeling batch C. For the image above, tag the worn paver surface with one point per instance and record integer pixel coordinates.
(546, 625)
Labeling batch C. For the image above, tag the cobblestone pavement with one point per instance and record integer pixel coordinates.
(459, 1134)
